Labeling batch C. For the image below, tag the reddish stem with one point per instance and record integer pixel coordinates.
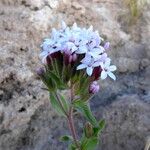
(72, 127)
(71, 120)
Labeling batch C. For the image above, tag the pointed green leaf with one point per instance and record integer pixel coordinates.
(72, 147)
(90, 144)
(59, 83)
(64, 102)
(49, 82)
(56, 67)
(84, 85)
(96, 131)
(102, 124)
(55, 104)
(66, 138)
(85, 110)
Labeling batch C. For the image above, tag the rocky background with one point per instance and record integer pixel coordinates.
(27, 121)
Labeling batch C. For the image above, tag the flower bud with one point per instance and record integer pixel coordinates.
(74, 57)
(88, 130)
(96, 73)
(70, 58)
(107, 45)
(40, 71)
(94, 87)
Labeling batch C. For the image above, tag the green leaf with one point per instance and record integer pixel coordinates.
(101, 124)
(84, 85)
(59, 83)
(55, 62)
(66, 138)
(55, 104)
(90, 144)
(64, 102)
(85, 110)
(96, 131)
(49, 82)
(72, 147)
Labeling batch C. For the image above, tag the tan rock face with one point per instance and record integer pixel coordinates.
(27, 121)
(127, 124)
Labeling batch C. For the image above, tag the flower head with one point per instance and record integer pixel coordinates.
(80, 49)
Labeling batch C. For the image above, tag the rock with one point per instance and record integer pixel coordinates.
(147, 146)
(34, 5)
(27, 121)
(78, 7)
(144, 63)
(52, 3)
(127, 64)
(127, 126)
(41, 19)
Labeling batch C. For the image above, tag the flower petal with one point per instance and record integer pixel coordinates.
(94, 55)
(96, 64)
(112, 68)
(103, 75)
(101, 49)
(89, 70)
(111, 75)
(63, 25)
(87, 59)
(81, 50)
(81, 66)
(96, 50)
(107, 63)
(102, 65)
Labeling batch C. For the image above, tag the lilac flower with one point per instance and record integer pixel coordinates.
(40, 71)
(107, 45)
(107, 70)
(74, 41)
(95, 52)
(88, 63)
(94, 87)
(48, 47)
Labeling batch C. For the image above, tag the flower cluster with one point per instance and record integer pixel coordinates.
(74, 59)
(81, 47)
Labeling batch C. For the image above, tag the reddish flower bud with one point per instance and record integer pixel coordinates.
(74, 57)
(88, 130)
(40, 71)
(53, 56)
(106, 45)
(94, 87)
(96, 73)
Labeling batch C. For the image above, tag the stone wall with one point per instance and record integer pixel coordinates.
(27, 121)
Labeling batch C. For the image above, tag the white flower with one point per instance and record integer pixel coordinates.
(88, 63)
(49, 46)
(74, 41)
(107, 70)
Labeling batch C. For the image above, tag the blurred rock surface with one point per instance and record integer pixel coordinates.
(27, 121)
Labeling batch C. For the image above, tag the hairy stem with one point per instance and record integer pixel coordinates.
(70, 118)
(72, 127)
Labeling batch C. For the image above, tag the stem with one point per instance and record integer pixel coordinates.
(72, 127)
(71, 120)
